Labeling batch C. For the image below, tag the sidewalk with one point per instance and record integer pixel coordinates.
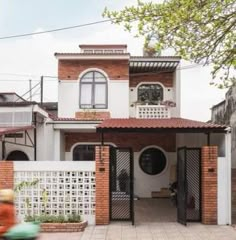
(152, 231)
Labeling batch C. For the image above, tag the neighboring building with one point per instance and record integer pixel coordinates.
(225, 113)
(21, 128)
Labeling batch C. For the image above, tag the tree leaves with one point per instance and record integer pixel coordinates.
(203, 31)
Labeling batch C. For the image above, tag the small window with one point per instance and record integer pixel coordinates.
(152, 161)
(150, 93)
(84, 153)
(93, 91)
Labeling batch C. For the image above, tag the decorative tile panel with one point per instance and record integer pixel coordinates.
(67, 192)
(152, 111)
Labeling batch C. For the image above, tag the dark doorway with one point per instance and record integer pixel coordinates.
(17, 156)
(121, 184)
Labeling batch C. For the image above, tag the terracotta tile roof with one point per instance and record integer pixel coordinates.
(168, 123)
(6, 130)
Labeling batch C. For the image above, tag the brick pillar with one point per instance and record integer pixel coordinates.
(6, 175)
(102, 185)
(209, 184)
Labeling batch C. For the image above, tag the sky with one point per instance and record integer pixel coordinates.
(22, 59)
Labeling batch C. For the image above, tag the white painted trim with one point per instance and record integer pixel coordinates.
(76, 125)
(32, 166)
(87, 143)
(111, 80)
(164, 152)
(75, 57)
(93, 70)
(151, 83)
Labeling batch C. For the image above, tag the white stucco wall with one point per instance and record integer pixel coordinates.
(145, 184)
(29, 151)
(118, 98)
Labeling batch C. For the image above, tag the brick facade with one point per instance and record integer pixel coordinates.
(209, 184)
(165, 78)
(115, 69)
(90, 115)
(102, 185)
(135, 140)
(6, 175)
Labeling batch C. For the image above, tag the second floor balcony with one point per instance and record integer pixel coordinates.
(152, 111)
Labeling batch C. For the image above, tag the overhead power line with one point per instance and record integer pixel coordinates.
(56, 29)
(55, 77)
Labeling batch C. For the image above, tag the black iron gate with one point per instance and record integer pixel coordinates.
(189, 185)
(121, 184)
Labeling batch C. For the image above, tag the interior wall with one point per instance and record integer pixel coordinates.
(145, 184)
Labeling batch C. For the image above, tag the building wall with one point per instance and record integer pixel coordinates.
(71, 69)
(122, 88)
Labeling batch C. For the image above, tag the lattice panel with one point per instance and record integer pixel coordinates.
(153, 111)
(67, 193)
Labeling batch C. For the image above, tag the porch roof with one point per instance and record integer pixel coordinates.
(7, 130)
(158, 125)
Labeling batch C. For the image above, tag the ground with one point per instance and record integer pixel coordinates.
(151, 231)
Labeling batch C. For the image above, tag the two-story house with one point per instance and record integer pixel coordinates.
(131, 106)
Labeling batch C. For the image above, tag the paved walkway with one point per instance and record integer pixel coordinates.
(152, 231)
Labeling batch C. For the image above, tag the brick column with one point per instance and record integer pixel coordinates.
(6, 175)
(209, 184)
(102, 185)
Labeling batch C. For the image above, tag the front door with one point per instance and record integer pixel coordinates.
(121, 184)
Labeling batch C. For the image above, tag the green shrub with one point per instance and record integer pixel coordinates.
(73, 218)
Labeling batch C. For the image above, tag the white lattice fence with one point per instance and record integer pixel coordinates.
(69, 189)
(152, 111)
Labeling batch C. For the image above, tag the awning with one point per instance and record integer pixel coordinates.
(158, 125)
(153, 64)
(7, 130)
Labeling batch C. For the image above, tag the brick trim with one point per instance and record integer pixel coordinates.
(6, 175)
(63, 227)
(209, 184)
(102, 185)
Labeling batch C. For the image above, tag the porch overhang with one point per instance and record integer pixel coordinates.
(168, 125)
(8, 130)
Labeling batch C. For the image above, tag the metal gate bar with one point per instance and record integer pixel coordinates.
(189, 185)
(121, 184)
(193, 179)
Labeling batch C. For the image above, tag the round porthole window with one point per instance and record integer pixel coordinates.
(152, 161)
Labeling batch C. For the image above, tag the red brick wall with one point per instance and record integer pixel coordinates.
(71, 69)
(102, 185)
(135, 140)
(6, 175)
(165, 78)
(209, 184)
(92, 115)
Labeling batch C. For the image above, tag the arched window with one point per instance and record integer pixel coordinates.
(152, 161)
(150, 93)
(93, 90)
(17, 156)
(84, 153)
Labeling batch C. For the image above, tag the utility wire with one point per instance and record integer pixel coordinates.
(57, 29)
